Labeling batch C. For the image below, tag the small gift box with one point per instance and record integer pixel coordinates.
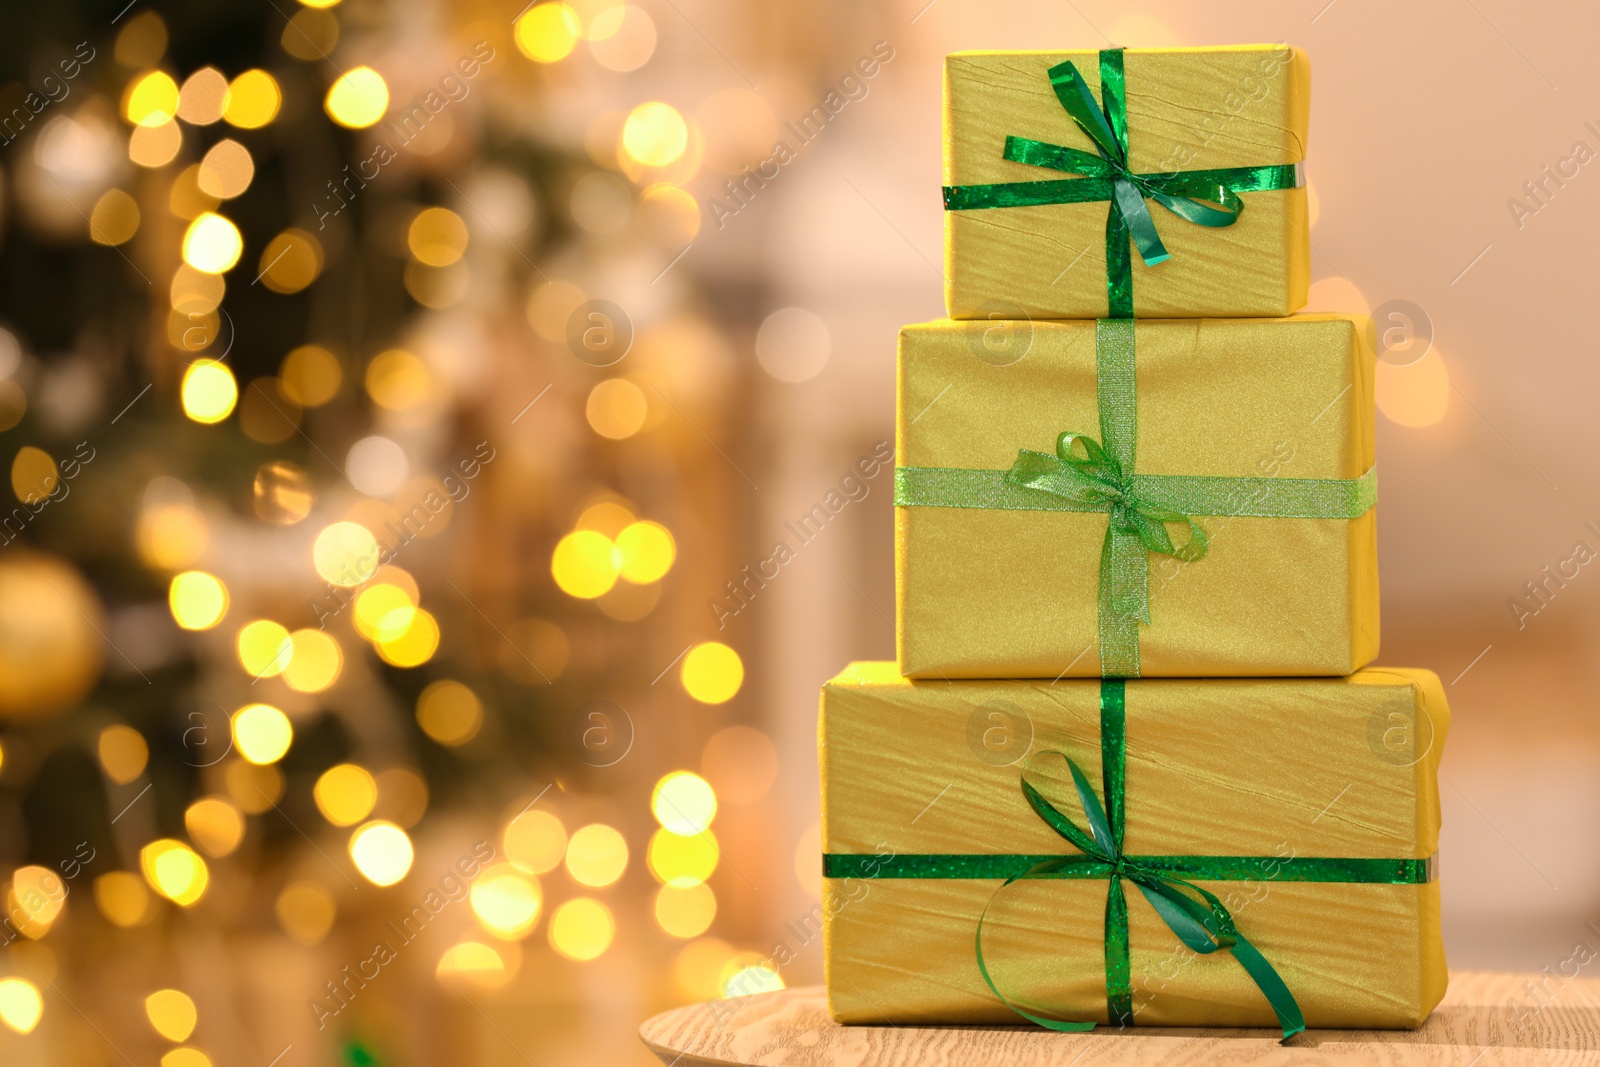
(1149, 182)
(1135, 498)
(1167, 852)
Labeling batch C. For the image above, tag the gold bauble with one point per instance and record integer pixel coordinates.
(51, 620)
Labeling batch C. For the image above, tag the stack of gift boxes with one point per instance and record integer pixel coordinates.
(1131, 767)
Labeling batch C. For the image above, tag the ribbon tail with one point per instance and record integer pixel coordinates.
(1058, 1025)
(1119, 971)
(1119, 265)
(1124, 602)
(1271, 985)
(1140, 224)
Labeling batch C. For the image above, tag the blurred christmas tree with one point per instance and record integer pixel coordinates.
(344, 495)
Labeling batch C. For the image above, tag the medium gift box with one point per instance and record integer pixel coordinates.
(1168, 852)
(1149, 182)
(1124, 498)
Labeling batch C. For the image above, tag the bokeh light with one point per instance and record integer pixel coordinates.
(584, 564)
(437, 236)
(314, 661)
(475, 962)
(21, 1006)
(685, 911)
(449, 712)
(253, 100)
(305, 911)
(198, 600)
(683, 802)
(226, 170)
(616, 408)
(647, 551)
(398, 381)
(697, 969)
(123, 753)
(358, 98)
(172, 1014)
(412, 646)
(712, 673)
(216, 825)
(37, 898)
(311, 375)
(654, 134)
(345, 794)
(622, 38)
(547, 32)
(115, 218)
(261, 733)
(175, 871)
(186, 1057)
(535, 841)
(506, 901)
(596, 855)
(381, 852)
(212, 244)
(209, 391)
(150, 99)
(202, 97)
(264, 648)
(123, 898)
(582, 929)
(747, 974)
(1414, 394)
(291, 261)
(345, 553)
(678, 860)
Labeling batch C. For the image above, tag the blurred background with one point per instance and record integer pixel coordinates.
(401, 402)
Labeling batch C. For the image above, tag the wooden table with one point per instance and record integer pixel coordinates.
(1486, 1020)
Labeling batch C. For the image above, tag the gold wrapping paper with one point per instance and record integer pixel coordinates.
(1013, 594)
(1188, 109)
(1343, 767)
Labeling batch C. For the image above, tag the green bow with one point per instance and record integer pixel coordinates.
(1204, 197)
(1196, 915)
(1140, 506)
(1135, 524)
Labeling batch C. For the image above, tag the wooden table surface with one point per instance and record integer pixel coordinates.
(1486, 1020)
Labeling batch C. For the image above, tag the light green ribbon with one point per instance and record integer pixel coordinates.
(1141, 508)
(1204, 197)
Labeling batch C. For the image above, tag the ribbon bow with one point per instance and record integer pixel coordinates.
(1095, 477)
(1196, 915)
(1205, 197)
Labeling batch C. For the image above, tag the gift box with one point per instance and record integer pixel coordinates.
(1130, 498)
(996, 849)
(1149, 182)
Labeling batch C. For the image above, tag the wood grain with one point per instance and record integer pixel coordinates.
(1486, 1020)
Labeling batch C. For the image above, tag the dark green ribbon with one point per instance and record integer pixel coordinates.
(1086, 475)
(1196, 915)
(1205, 197)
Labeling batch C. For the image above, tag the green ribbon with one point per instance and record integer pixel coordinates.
(1196, 915)
(1205, 197)
(1086, 475)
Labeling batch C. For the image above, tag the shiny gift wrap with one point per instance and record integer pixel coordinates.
(1312, 803)
(1187, 119)
(994, 589)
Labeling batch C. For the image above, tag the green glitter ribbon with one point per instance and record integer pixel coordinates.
(1205, 197)
(1199, 919)
(1086, 475)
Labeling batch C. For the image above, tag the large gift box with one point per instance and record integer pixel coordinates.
(1158, 852)
(1131, 498)
(1150, 182)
